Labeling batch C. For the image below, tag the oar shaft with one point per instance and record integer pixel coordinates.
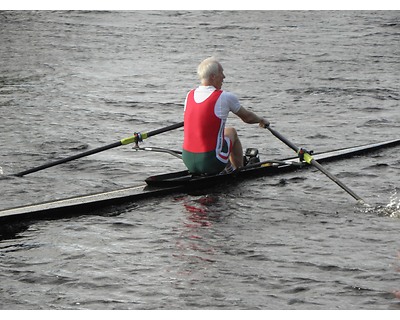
(316, 164)
(283, 139)
(140, 136)
(131, 139)
(310, 160)
(162, 130)
(77, 156)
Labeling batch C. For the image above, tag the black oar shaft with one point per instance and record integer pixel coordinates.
(162, 130)
(64, 160)
(100, 149)
(283, 139)
(316, 164)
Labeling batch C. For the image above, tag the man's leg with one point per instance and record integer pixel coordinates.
(236, 156)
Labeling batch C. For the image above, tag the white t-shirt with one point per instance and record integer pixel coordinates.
(226, 102)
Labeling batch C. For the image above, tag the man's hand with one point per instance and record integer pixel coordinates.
(264, 123)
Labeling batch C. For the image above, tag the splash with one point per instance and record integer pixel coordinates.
(1, 171)
(392, 209)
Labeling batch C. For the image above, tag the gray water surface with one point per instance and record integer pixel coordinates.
(73, 81)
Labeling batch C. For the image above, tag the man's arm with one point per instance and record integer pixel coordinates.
(250, 117)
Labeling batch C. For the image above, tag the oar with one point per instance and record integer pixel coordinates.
(310, 160)
(137, 137)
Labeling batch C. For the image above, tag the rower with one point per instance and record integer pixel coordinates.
(209, 146)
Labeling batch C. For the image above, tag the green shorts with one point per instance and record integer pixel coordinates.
(206, 162)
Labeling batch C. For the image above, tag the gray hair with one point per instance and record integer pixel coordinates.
(207, 68)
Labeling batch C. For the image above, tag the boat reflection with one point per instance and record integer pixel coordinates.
(198, 240)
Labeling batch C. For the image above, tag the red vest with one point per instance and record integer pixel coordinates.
(203, 129)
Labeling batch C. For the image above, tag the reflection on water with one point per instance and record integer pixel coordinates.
(397, 292)
(202, 216)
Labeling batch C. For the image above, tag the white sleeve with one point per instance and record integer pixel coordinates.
(230, 101)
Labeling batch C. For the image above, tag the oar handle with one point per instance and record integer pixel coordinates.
(283, 139)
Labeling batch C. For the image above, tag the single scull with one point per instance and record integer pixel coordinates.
(170, 183)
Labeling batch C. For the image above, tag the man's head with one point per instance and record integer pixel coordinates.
(211, 73)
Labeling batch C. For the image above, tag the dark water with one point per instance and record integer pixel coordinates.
(72, 81)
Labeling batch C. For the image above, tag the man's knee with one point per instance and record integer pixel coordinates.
(231, 133)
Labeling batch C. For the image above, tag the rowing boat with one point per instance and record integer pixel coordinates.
(170, 183)
(265, 168)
